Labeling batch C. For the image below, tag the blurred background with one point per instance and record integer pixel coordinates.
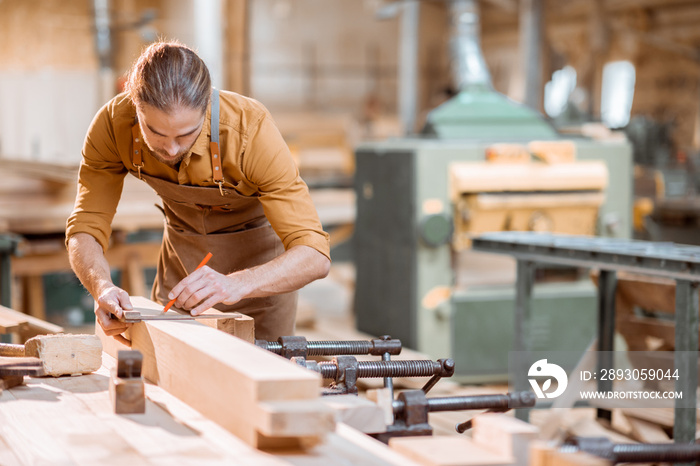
(406, 119)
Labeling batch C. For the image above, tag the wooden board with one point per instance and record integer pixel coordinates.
(505, 435)
(447, 451)
(27, 326)
(225, 378)
(358, 413)
(476, 177)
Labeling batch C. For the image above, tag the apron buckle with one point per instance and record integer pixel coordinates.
(138, 167)
(221, 189)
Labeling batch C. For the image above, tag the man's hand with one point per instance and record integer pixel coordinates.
(111, 303)
(205, 288)
(287, 272)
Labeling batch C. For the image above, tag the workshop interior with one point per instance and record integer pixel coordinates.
(511, 191)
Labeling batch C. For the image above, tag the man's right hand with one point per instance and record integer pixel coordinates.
(110, 306)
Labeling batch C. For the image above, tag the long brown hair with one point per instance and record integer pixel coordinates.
(168, 75)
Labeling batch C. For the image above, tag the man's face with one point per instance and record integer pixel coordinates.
(171, 135)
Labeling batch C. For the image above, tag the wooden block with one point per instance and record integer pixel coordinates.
(223, 377)
(358, 413)
(505, 434)
(127, 394)
(540, 452)
(447, 451)
(553, 151)
(9, 381)
(126, 387)
(20, 366)
(66, 354)
(647, 432)
(8, 325)
(239, 325)
(382, 397)
(507, 153)
(297, 418)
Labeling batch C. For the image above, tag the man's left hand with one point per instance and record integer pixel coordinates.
(205, 288)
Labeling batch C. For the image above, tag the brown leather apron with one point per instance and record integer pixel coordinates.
(233, 228)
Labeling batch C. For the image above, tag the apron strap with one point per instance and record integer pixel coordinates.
(217, 171)
(136, 158)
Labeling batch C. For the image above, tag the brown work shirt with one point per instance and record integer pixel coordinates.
(256, 162)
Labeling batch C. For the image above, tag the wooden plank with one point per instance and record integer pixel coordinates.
(505, 435)
(447, 451)
(474, 177)
(647, 432)
(374, 450)
(29, 326)
(660, 416)
(557, 458)
(8, 325)
(544, 454)
(359, 413)
(207, 369)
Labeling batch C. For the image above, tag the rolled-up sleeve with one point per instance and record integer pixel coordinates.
(268, 164)
(100, 182)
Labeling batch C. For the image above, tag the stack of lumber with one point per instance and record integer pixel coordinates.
(37, 198)
(322, 144)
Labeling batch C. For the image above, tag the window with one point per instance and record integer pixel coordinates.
(557, 91)
(617, 93)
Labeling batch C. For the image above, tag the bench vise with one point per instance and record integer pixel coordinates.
(411, 410)
(345, 370)
(602, 447)
(297, 347)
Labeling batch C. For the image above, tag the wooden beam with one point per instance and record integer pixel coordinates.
(28, 326)
(505, 435)
(237, 46)
(232, 382)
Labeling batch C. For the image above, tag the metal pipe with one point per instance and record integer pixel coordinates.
(339, 348)
(468, 64)
(408, 65)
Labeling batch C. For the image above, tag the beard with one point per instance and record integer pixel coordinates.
(163, 157)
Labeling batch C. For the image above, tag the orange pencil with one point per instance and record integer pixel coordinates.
(201, 264)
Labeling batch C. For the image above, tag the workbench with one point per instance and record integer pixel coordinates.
(611, 255)
(70, 420)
